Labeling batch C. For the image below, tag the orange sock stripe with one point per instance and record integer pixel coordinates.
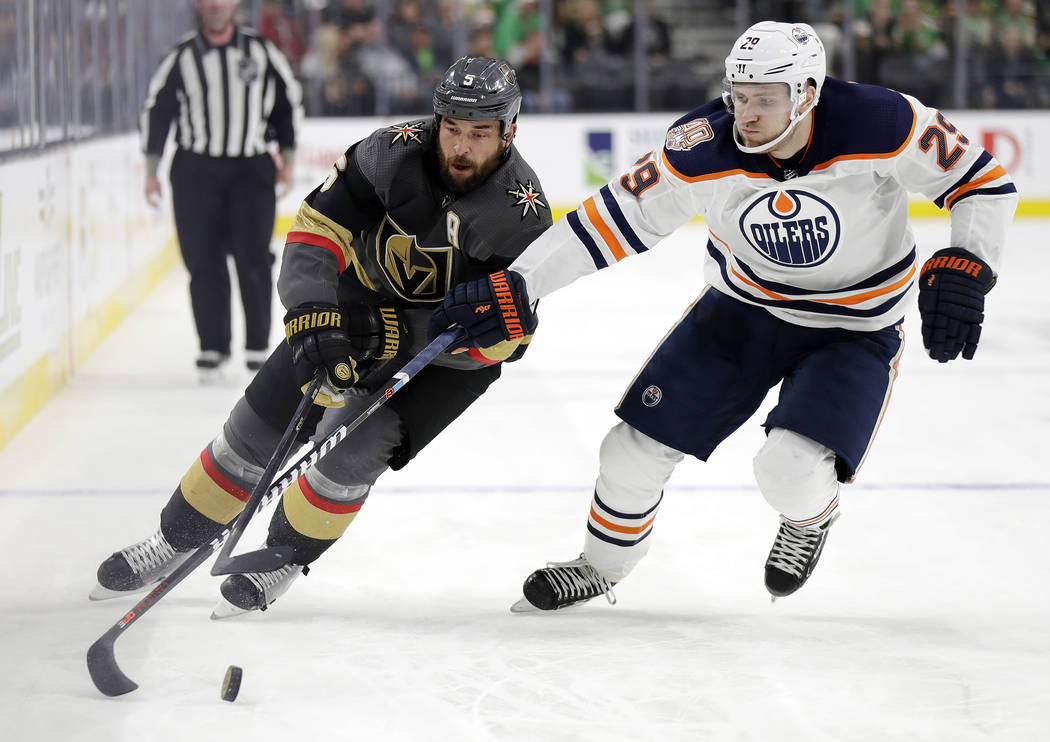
(618, 528)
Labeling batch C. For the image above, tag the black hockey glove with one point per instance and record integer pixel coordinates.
(317, 336)
(492, 310)
(952, 285)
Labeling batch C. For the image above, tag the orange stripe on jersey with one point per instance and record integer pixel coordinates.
(309, 238)
(998, 172)
(603, 229)
(709, 176)
(620, 529)
(842, 300)
(875, 155)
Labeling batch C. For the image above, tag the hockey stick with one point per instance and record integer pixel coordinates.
(274, 557)
(101, 660)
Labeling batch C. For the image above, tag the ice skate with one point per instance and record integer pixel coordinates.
(254, 359)
(137, 567)
(255, 591)
(562, 584)
(794, 556)
(210, 365)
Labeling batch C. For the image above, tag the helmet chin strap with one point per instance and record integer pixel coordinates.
(769, 146)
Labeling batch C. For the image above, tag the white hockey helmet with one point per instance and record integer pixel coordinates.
(769, 51)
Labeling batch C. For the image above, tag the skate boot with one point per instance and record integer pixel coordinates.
(794, 556)
(210, 364)
(137, 568)
(255, 591)
(561, 584)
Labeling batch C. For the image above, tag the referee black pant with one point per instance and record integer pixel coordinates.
(226, 206)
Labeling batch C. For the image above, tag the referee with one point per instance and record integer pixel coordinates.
(229, 93)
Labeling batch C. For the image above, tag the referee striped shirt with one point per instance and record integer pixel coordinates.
(225, 101)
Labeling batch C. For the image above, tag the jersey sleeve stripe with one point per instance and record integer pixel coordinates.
(994, 174)
(583, 236)
(603, 229)
(997, 191)
(316, 240)
(621, 221)
(977, 166)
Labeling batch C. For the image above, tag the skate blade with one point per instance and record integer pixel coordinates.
(225, 609)
(524, 606)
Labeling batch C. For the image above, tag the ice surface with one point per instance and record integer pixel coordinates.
(928, 618)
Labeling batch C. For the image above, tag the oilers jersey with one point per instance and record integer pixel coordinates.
(820, 240)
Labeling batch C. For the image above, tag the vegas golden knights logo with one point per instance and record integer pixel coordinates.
(416, 273)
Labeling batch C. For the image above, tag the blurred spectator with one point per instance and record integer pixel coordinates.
(346, 13)
(480, 44)
(584, 36)
(1020, 16)
(516, 20)
(279, 24)
(1014, 79)
(407, 16)
(395, 83)
(656, 35)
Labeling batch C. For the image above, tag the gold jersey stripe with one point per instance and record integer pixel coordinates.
(309, 219)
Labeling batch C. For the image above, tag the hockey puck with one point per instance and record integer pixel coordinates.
(231, 684)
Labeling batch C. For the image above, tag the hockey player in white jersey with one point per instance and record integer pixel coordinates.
(811, 264)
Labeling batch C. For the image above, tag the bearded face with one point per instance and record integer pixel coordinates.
(469, 151)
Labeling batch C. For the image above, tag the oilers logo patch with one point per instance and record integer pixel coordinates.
(652, 396)
(684, 137)
(406, 133)
(791, 227)
(528, 198)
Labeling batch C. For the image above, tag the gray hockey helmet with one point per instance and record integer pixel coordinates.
(479, 89)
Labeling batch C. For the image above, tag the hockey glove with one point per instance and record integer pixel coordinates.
(952, 285)
(492, 310)
(317, 336)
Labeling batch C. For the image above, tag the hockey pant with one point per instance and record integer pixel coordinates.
(796, 476)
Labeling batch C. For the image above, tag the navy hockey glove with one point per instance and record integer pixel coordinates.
(317, 336)
(492, 310)
(952, 285)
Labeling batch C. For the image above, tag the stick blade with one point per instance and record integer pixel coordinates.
(262, 560)
(104, 670)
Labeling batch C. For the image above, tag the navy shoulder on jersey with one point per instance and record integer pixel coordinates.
(855, 119)
(701, 142)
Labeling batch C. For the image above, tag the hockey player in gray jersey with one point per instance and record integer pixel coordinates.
(803, 182)
(404, 215)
